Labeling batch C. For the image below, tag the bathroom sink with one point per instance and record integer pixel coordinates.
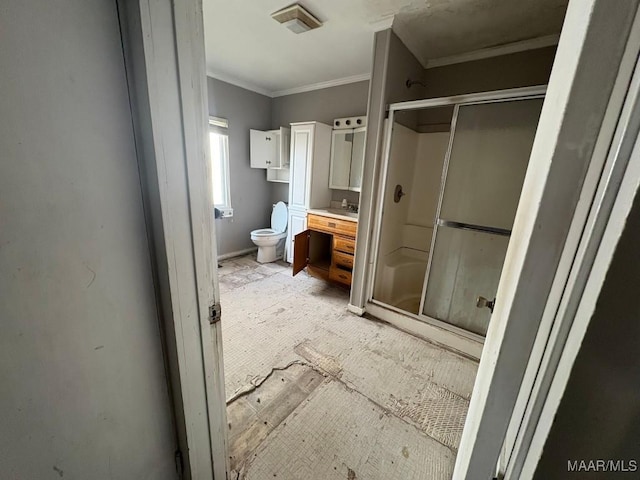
(335, 212)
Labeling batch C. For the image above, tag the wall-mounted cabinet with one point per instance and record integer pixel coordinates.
(347, 158)
(269, 149)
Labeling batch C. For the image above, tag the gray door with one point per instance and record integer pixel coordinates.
(83, 392)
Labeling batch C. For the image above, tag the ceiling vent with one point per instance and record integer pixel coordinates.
(296, 19)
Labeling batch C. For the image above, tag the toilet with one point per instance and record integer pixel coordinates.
(270, 241)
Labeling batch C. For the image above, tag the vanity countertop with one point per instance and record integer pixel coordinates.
(335, 213)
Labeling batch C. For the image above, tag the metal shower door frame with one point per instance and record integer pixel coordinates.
(438, 221)
(522, 93)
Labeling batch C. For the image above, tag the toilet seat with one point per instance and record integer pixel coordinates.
(264, 232)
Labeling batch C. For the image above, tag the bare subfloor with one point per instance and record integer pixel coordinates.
(314, 392)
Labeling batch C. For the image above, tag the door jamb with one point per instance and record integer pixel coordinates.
(165, 59)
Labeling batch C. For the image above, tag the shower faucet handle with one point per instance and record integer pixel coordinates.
(482, 302)
(398, 194)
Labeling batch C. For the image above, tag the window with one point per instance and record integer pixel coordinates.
(219, 144)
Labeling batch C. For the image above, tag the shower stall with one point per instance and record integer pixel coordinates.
(449, 187)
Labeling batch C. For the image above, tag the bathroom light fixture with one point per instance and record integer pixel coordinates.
(296, 18)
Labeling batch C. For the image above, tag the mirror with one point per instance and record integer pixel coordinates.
(347, 159)
(341, 146)
(357, 159)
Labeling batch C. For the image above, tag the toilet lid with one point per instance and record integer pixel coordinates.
(279, 217)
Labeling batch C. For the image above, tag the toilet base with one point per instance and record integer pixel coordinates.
(267, 254)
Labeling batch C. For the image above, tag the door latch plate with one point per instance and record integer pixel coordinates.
(215, 313)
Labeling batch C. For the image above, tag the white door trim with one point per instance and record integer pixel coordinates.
(576, 128)
(164, 54)
(597, 226)
(189, 31)
(577, 316)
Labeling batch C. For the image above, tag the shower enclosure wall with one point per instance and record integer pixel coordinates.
(450, 183)
(415, 164)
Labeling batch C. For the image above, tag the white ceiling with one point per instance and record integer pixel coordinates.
(245, 46)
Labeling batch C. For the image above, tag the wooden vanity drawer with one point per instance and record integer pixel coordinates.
(331, 225)
(343, 260)
(339, 275)
(344, 244)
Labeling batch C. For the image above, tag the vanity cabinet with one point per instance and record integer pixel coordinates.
(309, 186)
(326, 248)
(347, 158)
(269, 149)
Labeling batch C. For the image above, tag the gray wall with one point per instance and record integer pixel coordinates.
(522, 69)
(83, 392)
(250, 191)
(599, 414)
(402, 65)
(323, 106)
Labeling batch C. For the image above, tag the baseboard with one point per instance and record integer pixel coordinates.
(357, 310)
(239, 253)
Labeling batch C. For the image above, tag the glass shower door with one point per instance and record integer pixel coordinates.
(485, 171)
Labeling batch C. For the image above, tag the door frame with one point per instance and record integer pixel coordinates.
(454, 337)
(571, 213)
(549, 367)
(163, 47)
(164, 54)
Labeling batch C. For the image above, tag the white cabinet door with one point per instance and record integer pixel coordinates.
(284, 146)
(301, 148)
(278, 143)
(262, 148)
(297, 224)
(276, 164)
(341, 148)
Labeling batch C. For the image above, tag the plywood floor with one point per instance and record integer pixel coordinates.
(315, 392)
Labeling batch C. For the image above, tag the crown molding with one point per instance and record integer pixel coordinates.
(239, 83)
(515, 47)
(289, 91)
(383, 24)
(321, 85)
